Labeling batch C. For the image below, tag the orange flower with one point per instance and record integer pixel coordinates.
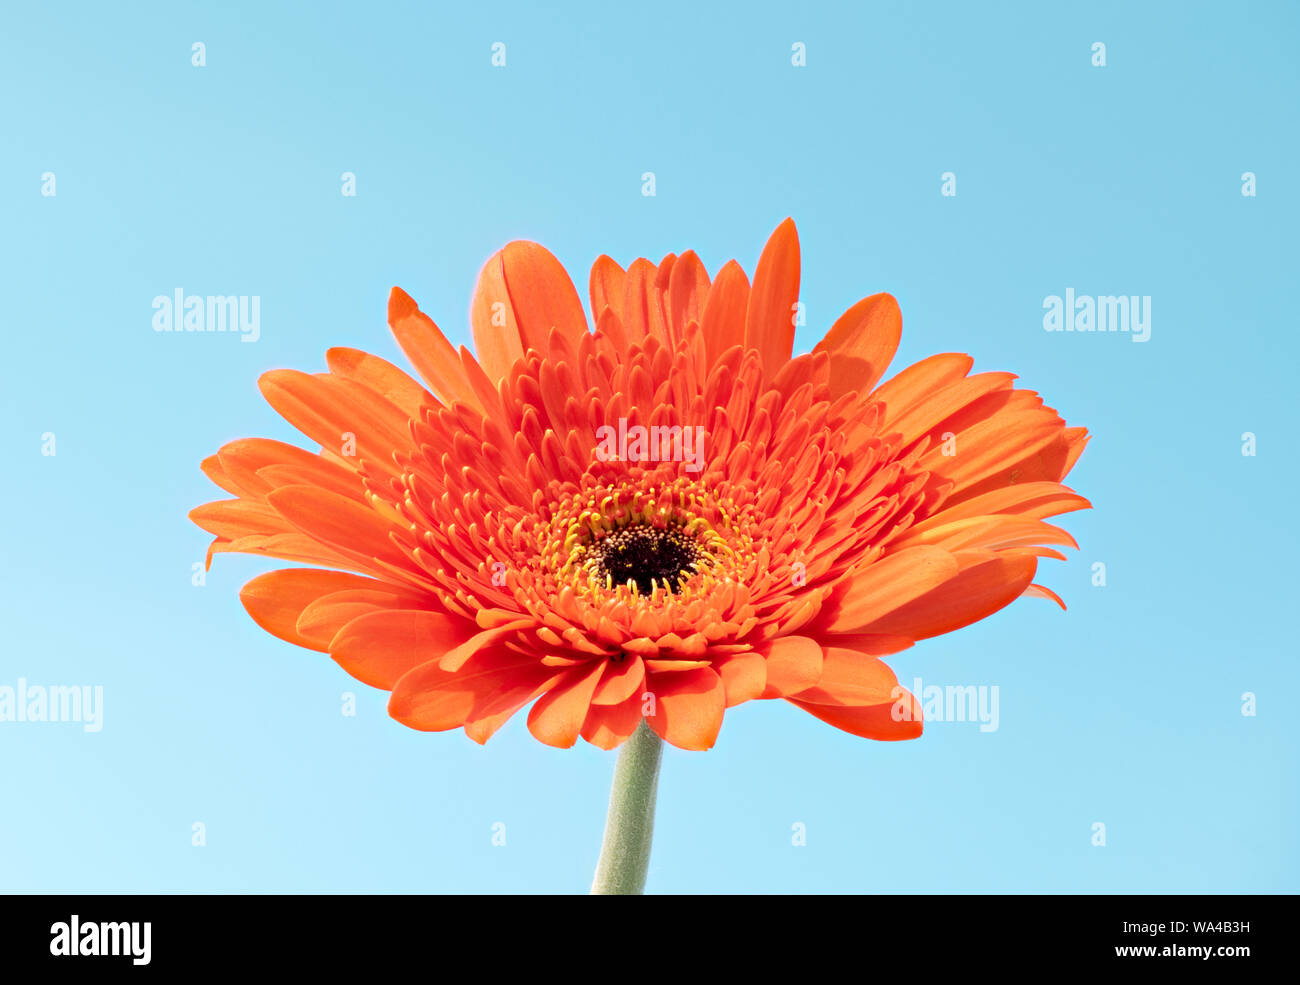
(666, 516)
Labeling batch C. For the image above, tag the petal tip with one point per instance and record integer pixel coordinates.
(400, 304)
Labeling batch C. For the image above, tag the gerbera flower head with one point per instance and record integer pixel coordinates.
(659, 514)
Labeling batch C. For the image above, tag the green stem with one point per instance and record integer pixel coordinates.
(629, 827)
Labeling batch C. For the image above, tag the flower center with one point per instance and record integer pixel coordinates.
(641, 544)
(646, 556)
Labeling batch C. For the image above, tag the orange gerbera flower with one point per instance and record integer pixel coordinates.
(661, 518)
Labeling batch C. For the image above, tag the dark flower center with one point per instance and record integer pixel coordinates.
(646, 556)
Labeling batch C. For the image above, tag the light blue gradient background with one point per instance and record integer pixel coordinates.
(226, 180)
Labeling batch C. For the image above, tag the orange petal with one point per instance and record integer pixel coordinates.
(492, 709)
(1028, 499)
(276, 599)
(622, 679)
(999, 447)
(453, 660)
(431, 699)
(769, 318)
(234, 518)
(892, 721)
(379, 647)
(611, 327)
(606, 286)
(292, 546)
(433, 357)
(338, 522)
(688, 287)
(321, 473)
(688, 707)
(322, 620)
(722, 322)
(672, 665)
(886, 584)
(641, 314)
(1031, 461)
(608, 726)
(336, 412)
(557, 717)
(861, 343)
(1043, 592)
(1076, 439)
(860, 694)
(987, 583)
(850, 677)
(379, 375)
(541, 295)
(744, 676)
(933, 415)
(794, 664)
(988, 533)
(918, 381)
(247, 461)
(496, 332)
(215, 471)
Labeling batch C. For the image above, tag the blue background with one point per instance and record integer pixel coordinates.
(226, 180)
